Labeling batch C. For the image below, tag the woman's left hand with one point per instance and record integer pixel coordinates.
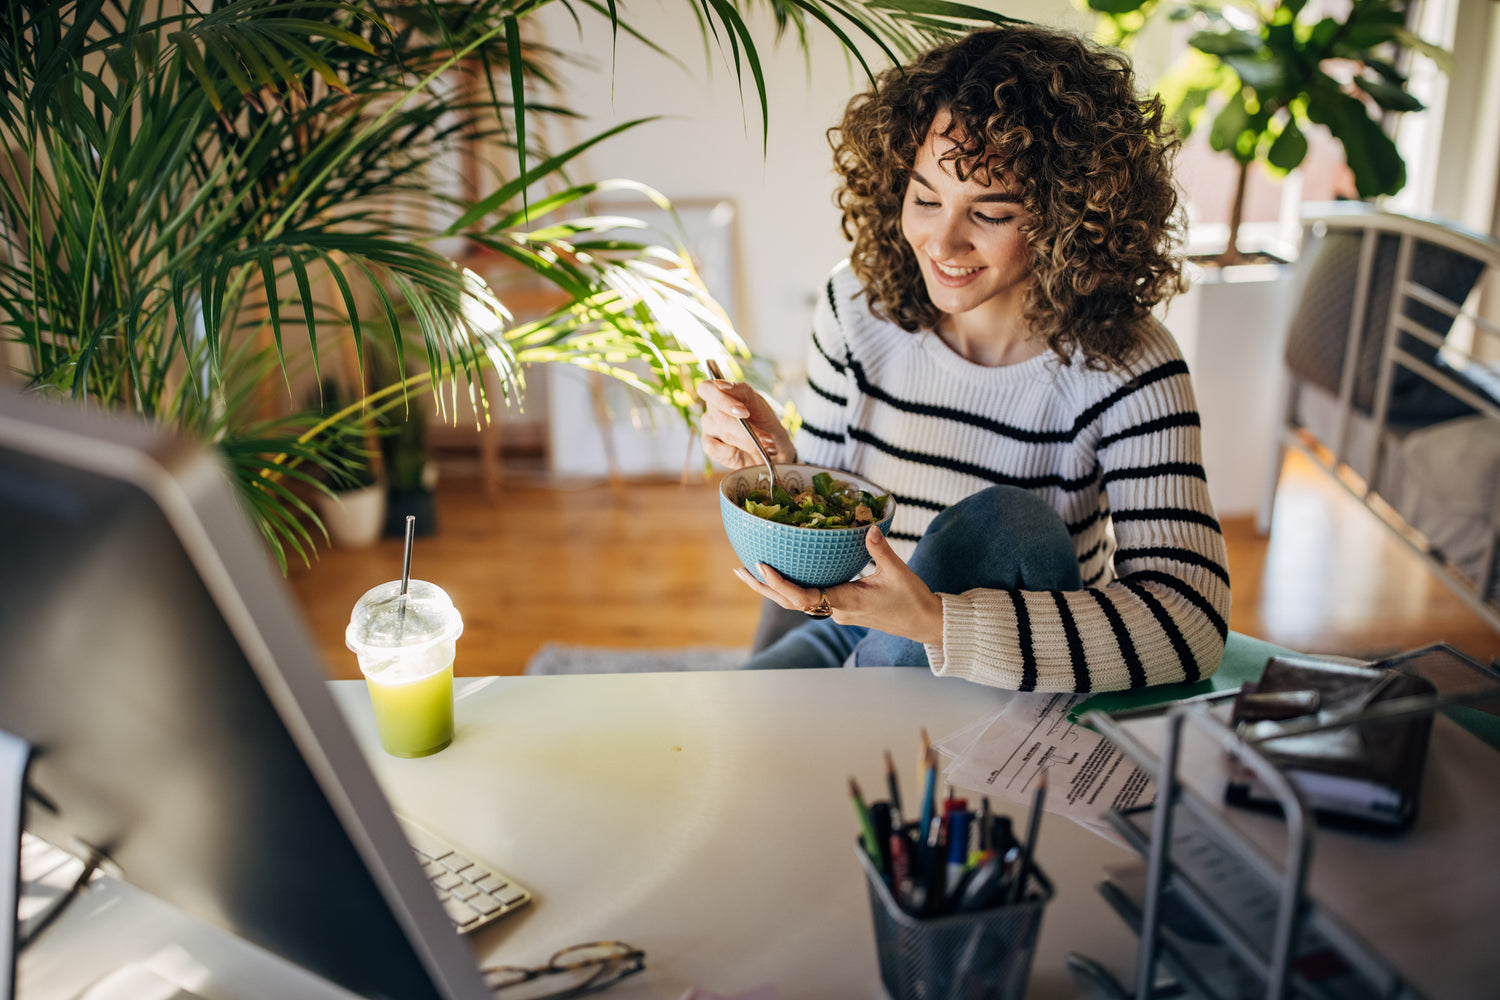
(892, 599)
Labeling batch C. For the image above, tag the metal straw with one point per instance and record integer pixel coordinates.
(411, 530)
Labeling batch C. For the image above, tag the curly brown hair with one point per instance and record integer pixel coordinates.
(1057, 118)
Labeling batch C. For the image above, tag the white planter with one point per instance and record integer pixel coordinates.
(1231, 326)
(354, 518)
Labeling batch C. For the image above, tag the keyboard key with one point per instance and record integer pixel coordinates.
(485, 904)
(459, 912)
(456, 863)
(445, 879)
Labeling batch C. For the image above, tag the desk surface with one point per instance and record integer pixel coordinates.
(703, 817)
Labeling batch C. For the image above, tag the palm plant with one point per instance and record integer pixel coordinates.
(193, 199)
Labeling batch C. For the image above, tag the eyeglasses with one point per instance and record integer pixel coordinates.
(572, 972)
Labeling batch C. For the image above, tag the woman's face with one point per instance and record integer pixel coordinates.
(969, 238)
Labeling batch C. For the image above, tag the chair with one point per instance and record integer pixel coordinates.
(1393, 385)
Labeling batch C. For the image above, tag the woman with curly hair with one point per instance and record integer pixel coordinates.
(988, 354)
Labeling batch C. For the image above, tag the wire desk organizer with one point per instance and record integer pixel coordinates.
(1220, 914)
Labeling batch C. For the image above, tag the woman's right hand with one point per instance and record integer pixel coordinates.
(725, 439)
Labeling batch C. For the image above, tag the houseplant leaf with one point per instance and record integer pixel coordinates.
(1289, 148)
(1390, 96)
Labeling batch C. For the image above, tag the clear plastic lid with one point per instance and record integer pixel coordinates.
(384, 619)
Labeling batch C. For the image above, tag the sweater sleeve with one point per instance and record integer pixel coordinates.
(830, 380)
(1164, 618)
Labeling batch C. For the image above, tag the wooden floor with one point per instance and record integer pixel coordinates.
(646, 565)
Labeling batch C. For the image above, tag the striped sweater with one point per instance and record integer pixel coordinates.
(1117, 454)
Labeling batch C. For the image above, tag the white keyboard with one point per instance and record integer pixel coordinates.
(473, 894)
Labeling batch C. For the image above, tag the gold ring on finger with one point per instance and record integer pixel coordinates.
(820, 610)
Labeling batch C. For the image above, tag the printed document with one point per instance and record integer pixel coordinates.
(1002, 757)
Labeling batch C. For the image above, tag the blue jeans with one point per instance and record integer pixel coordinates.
(999, 538)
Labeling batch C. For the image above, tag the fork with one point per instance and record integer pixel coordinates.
(713, 369)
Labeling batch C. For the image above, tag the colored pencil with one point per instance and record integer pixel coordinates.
(866, 825)
(1028, 849)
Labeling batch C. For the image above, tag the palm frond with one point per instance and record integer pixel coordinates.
(198, 201)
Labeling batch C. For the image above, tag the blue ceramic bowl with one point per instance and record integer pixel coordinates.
(812, 557)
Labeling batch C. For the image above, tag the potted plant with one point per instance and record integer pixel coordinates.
(179, 183)
(1263, 73)
(1260, 75)
(402, 426)
(352, 501)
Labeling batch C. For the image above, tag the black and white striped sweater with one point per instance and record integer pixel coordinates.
(1117, 454)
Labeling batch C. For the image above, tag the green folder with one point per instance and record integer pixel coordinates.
(1244, 659)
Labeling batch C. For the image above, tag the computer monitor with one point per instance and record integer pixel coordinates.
(178, 716)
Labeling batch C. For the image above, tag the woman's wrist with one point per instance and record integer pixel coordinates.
(932, 633)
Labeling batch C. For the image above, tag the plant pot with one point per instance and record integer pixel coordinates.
(1231, 326)
(419, 504)
(354, 518)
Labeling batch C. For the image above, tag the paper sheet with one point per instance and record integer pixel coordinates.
(1002, 757)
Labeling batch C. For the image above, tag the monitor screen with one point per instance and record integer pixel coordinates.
(178, 713)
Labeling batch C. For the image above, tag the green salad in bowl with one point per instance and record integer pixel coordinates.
(810, 527)
(826, 503)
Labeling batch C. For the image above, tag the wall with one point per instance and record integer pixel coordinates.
(786, 235)
(787, 231)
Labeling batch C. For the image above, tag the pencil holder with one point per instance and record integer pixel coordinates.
(983, 955)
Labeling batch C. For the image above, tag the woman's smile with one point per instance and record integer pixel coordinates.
(952, 275)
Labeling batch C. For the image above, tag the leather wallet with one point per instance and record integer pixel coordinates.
(1367, 773)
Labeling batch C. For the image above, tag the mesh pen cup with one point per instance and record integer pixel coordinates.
(981, 955)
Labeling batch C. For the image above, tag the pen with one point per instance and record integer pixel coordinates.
(1002, 839)
(1028, 848)
(867, 827)
(935, 871)
(900, 869)
(880, 820)
(894, 788)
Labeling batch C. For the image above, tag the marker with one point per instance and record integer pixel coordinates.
(982, 886)
(958, 845)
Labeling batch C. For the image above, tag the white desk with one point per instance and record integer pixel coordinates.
(703, 817)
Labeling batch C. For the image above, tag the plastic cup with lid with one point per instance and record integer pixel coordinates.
(405, 644)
